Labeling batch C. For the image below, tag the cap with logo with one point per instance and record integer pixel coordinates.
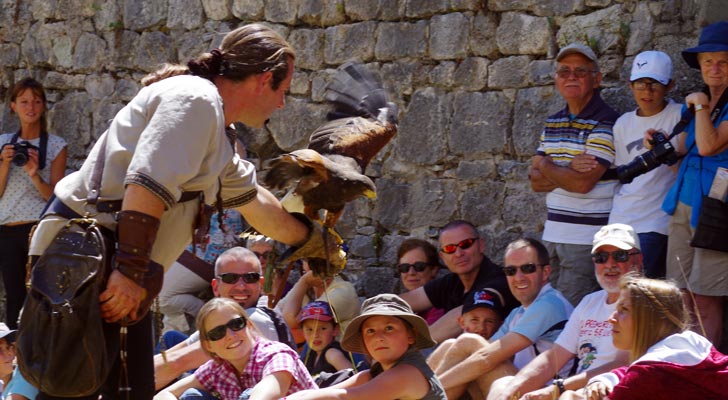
(652, 64)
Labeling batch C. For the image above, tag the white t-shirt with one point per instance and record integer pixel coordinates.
(588, 334)
(639, 203)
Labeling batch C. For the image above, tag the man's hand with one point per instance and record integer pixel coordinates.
(583, 162)
(539, 183)
(121, 298)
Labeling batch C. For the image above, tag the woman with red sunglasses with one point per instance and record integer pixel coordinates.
(243, 365)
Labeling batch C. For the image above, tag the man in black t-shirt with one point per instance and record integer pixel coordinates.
(461, 249)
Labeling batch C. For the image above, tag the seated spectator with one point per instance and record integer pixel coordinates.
(588, 334)
(243, 365)
(191, 274)
(12, 383)
(238, 277)
(320, 330)
(527, 331)
(389, 332)
(462, 251)
(668, 361)
(417, 264)
(339, 293)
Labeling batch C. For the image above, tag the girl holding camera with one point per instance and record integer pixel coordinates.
(32, 161)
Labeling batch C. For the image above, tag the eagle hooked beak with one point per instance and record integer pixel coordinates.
(370, 194)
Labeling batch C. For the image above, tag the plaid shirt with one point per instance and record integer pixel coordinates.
(266, 357)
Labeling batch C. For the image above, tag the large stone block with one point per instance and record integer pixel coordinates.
(191, 45)
(9, 55)
(282, 11)
(442, 75)
(431, 202)
(601, 29)
(104, 111)
(123, 48)
(509, 72)
(541, 8)
(107, 15)
(422, 130)
(309, 45)
(291, 128)
(426, 8)
(90, 53)
(99, 86)
(185, 14)
(523, 34)
(640, 29)
(349, 42)
(541, 72)
(397, 77)
(475, 170)
(144, 14)
(362, 246)
(390, 10)
(526, 208)
(358, 10)
(483, 203)
(481, 122)
(374, 281)
(449, 36)
(154, 49)
(400, 40)
(55, 80)
(391, 191)
(533, 106)
(70, 118)
(217, 9)
(126, 89)
(472, 73)
(483, 35)
(248, 10)
(321, 12)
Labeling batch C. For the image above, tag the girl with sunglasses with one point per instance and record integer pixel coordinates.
(244, 365)
(668, 360)
(417, 264)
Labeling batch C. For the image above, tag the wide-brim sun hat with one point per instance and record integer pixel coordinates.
(386, 305)
(714, 37)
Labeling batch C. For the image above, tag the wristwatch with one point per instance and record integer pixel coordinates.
(560, 385)
(700, 107)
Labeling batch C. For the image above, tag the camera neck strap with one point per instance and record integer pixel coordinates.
(42, 147)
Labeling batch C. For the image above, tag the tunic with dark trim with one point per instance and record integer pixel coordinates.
(169, 139)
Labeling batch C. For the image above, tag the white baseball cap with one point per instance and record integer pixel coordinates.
(617, 235)
(652, 64)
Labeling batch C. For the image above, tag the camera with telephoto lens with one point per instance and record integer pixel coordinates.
(663, 152)
(21, 155)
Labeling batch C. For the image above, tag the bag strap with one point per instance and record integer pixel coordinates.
(554, 327)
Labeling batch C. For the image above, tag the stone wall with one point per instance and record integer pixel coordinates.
(473, 80)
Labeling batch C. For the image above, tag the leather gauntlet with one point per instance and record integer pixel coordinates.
(136, 232)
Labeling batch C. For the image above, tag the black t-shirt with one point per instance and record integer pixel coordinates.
(448, 291)
(322, 365)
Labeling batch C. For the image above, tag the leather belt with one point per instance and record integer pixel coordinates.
(115, 205)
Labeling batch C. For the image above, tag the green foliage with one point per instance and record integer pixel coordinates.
(592, 42)
(116, 25)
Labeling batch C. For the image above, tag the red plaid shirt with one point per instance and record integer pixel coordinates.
(266, 357)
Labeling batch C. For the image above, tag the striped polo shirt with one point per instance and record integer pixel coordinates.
(574, 218)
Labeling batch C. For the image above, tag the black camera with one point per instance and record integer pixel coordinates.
(663, 152)
(21, 155)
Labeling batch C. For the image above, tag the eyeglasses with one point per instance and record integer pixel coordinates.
(511, 270)
(220, 331)
(647, 85)
(231, 278)
(565, 73)
(419, 266)
(453, 247)
(621, 256)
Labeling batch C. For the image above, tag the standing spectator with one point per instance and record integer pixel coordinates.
(462, 251)
(588, 334)
(578, 202)
(473, 362)
(193, 271)
(27, 178)
(163, 151)
(417, 264)
(701, 271)
(638, 203)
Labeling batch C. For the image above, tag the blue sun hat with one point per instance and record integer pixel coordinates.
(714, 37)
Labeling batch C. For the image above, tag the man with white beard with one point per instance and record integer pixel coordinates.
(588, 334)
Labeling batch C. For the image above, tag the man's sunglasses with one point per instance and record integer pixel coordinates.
(231, 278)
(419, 266)
(511, 270)
(220, 331)
(620, 256)
(464, 244)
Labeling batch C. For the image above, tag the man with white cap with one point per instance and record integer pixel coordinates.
(578, 202)
(588, 333)
(638, 203)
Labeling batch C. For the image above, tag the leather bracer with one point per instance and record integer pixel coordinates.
(136, 232)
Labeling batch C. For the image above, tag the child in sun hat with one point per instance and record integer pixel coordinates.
(324, 353)
(391, 334)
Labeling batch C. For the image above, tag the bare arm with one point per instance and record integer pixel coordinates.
(58, 169)
(273, 386)
(180, 358)
(484, 360)
(294, 298)
(447, 327)
(267, 215)
(417, 299)
(338, 359)
(569, 179)
(709, 139)
(539, 183)
(537, 372)
(175, 391)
